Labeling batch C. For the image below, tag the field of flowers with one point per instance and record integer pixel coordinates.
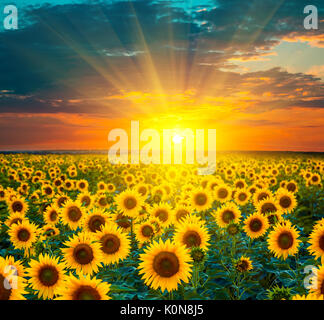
(76, 227)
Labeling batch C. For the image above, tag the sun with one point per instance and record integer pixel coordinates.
(177, 138)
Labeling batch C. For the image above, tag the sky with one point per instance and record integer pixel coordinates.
(74, 70)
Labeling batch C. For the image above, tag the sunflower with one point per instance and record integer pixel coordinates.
(256, 225)
(267, 206)
(95, 220)
(60, 199)
(242, 196)
(101, 200)
(163, 213)
(48, 191)
(84, 288)
(171, 174)
(316, 241)
(318, 281)
(18, 205)
(114, 244)
(164, 265)
(72, 214)
(50, 231)
(142, 189)
(200, 199)
(222, 193)
(129, 179)
(315, 179)
(144, 232)
(192, 235)
(86, 199)
(180, 212)
(274, 217)
(101, 186)
(243, 264)
(286, 200)
(14, 218)
(124, 222)
(129, 202)
(82, 185)
(68, 184)
(310, 296)
(228, 213)
(23, 234)
(111, 188)
(51, 215)
(83, 253)
(158, 194)
(282, 240)
(292, 186)
(240, 184)
(12, 286)
(46, 275)
(261, 194)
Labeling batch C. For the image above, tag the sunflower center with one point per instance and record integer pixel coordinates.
(192, 239)
(48, 276)
(48, 190)
(321, 242)
(23, 235)
(86, 293)
(4, 292)
(17, 206)
(255, 225)
(243, 266)
(123, 222)
(142, 191)
(83, 253)
(240, 185)
(130, 203)
(157, 197)
(96, 222)
(268, 207)
(285, 202)
(74, 213)
(147, 231)
(291, 187)
(262, 196)
(103, 201)
(314, 178)
(201, 199)
(228, 216)
(85, 200)
(82, 185)
(162, 215)
(50, 232)
(166, 264)
(285, 240)
(53, 215)
(181, 214)
(242, 196)
(15, 221)
(61, 201)
(110, 243)
(2, 194)
(222, 193)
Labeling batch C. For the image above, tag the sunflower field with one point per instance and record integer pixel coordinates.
(75, 227)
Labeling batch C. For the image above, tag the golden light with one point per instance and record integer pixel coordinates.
(177, 138)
